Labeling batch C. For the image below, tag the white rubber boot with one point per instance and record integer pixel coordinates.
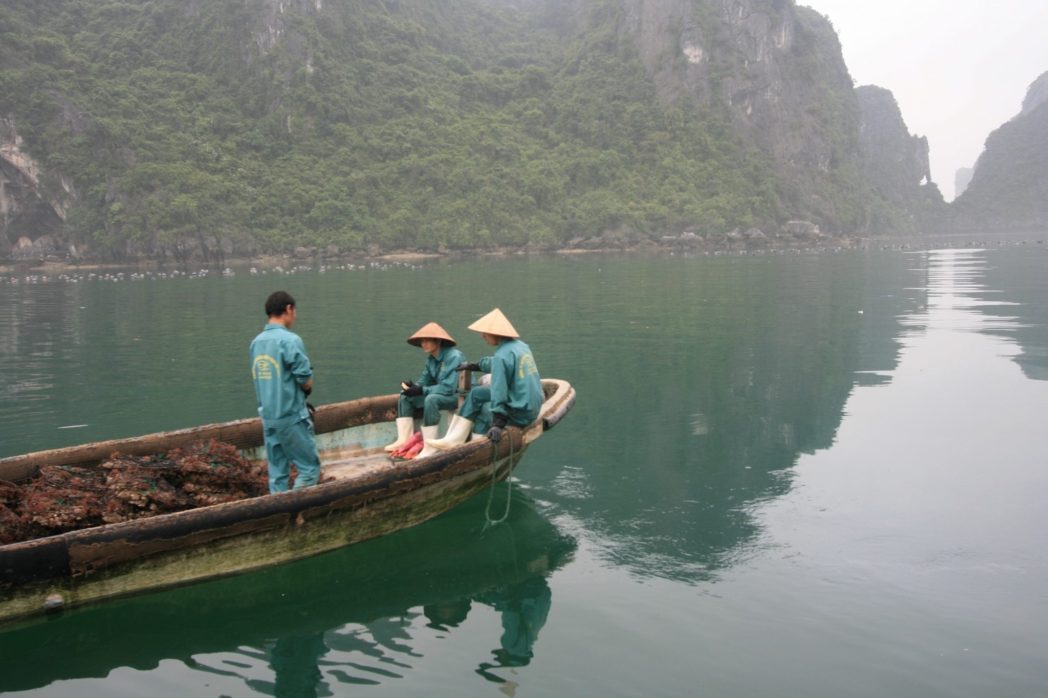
(405, 427)
(429, 434)
(458, 433)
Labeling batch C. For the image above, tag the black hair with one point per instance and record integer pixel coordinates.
(277, 302)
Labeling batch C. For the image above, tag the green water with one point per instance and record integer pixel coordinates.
(784, 475)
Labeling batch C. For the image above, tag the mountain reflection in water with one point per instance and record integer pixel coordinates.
(715, 379)
(1020, 284)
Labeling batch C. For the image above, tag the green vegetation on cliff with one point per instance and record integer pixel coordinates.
(1009, 187)
(267, 124)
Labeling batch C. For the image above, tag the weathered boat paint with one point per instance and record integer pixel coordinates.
(125, 558)
(455, 560)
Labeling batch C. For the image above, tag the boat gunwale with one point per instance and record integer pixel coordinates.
(284, 504)
(242, 433)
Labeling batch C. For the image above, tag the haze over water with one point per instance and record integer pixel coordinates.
(785, 475)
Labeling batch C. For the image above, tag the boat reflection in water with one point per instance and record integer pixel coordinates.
(366, 614)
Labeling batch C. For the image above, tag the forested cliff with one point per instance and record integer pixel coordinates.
(1009, 186)
(897, 166)
(200, 129)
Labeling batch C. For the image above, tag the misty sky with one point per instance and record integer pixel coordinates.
(958, 68)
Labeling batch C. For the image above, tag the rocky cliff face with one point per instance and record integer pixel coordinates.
(30, 215)
(1036, 95)
(844, 155)
(747, 55)
(961, 179)
(271, 27)
(894, 162)
(1009, 188)
(777, 69)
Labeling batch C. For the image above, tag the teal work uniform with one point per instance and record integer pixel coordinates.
(279, 367)
(515, 391)
(439, 382)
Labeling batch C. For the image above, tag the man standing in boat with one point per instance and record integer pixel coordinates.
(514, 395)
(283, 379)
(436, 388)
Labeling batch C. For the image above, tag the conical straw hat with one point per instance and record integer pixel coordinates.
(495, 323)
(431, 330)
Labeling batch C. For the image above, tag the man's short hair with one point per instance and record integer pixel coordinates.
(277, 303)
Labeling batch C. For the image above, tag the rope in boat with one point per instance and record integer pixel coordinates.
(489, 522)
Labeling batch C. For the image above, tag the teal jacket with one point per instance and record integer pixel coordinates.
(439, 376)
(516, 389)
(279, 367)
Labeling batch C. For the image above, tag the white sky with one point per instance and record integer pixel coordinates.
(958, 68)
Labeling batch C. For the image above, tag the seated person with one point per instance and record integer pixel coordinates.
(436, 388)
(514, 395)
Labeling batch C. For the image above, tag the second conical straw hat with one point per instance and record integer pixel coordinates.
(431, 330)
(495, 323)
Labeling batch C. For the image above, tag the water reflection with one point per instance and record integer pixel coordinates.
(295, 660)
(39, 323)
(364, 615)
(698, 405)
(918, 526)
(824, 460)
(1021, 277)
(523, 608)
(958, 297)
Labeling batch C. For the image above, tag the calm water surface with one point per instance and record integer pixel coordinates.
(790, 476)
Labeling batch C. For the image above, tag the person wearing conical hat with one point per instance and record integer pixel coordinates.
(436, 388)
(514, 395)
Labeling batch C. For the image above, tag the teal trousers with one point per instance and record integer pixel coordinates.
(295, 443)
(477, 408)
(431, 405)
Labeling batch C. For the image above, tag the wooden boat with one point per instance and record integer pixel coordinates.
(368, 496)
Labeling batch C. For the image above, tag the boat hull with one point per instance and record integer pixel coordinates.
(131, 557)
(451, 564)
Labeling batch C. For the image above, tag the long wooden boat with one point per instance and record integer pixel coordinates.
(368, 495)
